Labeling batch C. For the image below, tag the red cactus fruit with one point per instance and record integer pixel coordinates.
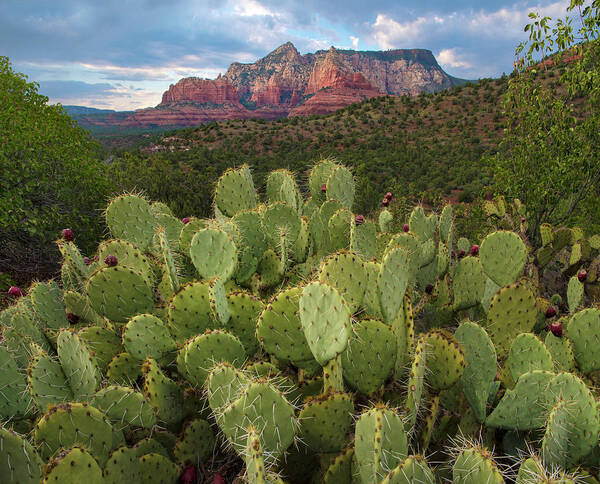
(96, 258)
(388, 195)
(73, 318)
(582, 275)
(68, 235)
(461, 254)
(550, 312)
(429, 288)
(556, 328)
(324, 187)
(359, 220)
(406, 228)
(87, 261)
(185, 220)
(218, 478)
(385, 202)
(189, 475)
(15, 291)
(111, 260)
(474, 250)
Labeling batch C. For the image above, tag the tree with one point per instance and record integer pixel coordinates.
(50, 178)
(550, 155)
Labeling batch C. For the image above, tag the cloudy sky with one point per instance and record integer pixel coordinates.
(124, 54)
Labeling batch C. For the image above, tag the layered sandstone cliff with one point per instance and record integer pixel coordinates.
(286, 83)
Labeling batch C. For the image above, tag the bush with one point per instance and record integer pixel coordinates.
(51, 178)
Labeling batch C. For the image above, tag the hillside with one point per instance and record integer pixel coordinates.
(426, 147)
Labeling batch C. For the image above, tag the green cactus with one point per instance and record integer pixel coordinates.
(122, 466)
(468, 284)
(279, 329)
(481, 366)
(525, 406)
(512, 312)
(13, 387)
(394, 276)
(71, 424)
(339, 470)
(421, 225)
(475, 466)
(561, 351)
(217, 300)
(528, 353)
(245, 310)
(318, 177)
(345, 271)
(46, 381)
(370, 357)
(130, 217)
(73, 466)
(574, 294)
(235, 191)
(503, 255)
(325, 421)
(340, 186)
(206, 350)
(416, 382)
(325, 319)
(48, 304)
(584, 333)
(339, 229)
(79, 367)
(381, 443)
(102, 342)
(19, 460)
(163, 393)
(124, 406)
(119, 293)
(445, 359)
(195, 444)
(123, 369)
(189, 311)
(213, 253)
(384, 220)
(412, 469)
(157, 469)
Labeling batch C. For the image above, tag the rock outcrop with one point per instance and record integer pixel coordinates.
(285, 83)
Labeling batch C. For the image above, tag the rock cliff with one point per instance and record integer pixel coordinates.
(286, 83)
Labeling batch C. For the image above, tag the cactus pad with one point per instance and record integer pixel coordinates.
(528, 353)
(118, 293)
(124, 406)
(128, 255)
(481, 368)
(47, 382)
(123, 369)
(213, 253)
(122, 466)
(392, 282)
(206, 350)
(474, 466)
(412, 470)
(189, 311)
(325, 420)
(345, 271)
(13, 387)
(340, 186)
(19, 461)
(147, 336)
(380, 443)
(48, 304)
(318, 177)
(512, 312)
(584, 333)
(281, 219)
(102, 342)
(131, 218)
(195, 444)
(71, 424)
(325, 319)
(445, 359)
(421, 225)
(163, 393)
(235, 191)
(468, 284)
(370, 357)
(524, 407)
(79, 366)
(245, 310)
(157, 469)
(503, 256)
(73, 466)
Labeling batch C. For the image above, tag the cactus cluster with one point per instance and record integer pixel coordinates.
(306, 343)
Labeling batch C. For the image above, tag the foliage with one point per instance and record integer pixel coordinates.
(51, 177)
(550, 155)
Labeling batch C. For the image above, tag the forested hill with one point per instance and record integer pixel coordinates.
(423, 147)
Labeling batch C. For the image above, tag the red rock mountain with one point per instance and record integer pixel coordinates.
(285, 83)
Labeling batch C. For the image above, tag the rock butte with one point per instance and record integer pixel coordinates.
(285, 83)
